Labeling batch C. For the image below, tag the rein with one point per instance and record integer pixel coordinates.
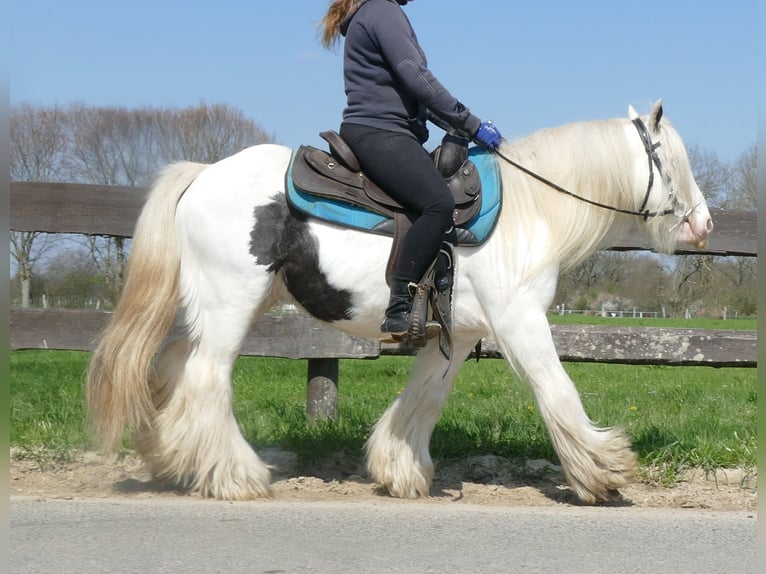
(654, 160)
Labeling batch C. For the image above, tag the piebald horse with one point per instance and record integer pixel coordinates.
(215, 247)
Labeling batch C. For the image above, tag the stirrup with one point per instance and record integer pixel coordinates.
(432, 329)
(389, 337)
(421, 328)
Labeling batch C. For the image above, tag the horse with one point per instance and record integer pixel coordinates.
(215, 247)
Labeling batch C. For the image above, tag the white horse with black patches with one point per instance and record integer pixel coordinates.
(215, 247)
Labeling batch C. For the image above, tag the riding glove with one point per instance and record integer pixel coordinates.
(488, 135)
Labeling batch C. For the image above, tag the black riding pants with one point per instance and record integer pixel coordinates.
(403, 169)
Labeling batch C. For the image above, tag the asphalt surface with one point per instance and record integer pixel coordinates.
(113, 535)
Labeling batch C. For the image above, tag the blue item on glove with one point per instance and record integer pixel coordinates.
(488, 135)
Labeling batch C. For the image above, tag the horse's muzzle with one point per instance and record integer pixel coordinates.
(696, 229)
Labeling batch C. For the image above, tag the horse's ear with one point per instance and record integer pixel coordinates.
(655, 116)
(632, 113)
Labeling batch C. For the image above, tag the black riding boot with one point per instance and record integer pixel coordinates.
(398, 313)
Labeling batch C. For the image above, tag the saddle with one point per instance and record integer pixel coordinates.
(338, 176)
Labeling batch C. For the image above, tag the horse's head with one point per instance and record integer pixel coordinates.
(678, 214)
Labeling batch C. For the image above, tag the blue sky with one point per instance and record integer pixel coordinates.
(525, 65)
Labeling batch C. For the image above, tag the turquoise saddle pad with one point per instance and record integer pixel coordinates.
(475, 232)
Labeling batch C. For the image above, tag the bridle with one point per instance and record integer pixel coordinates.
(676, 208)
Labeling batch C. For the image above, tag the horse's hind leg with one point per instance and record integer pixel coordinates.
(194, 440)
(398, 457)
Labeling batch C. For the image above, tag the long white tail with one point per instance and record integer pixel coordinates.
(118, 390)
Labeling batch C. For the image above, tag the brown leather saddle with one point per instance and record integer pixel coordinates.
(337, 175)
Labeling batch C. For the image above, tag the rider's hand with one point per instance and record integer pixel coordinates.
(488, 135)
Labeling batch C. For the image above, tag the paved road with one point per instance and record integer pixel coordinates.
(193, 536)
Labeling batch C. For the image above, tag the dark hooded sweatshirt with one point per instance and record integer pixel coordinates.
(387, 80)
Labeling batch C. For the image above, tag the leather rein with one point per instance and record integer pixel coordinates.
(676, 208)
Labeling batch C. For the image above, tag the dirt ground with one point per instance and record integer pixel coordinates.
(484, 480)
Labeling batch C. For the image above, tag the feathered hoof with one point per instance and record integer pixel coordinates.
(230, 490)
(401, 480)
(246, 478)
(600, 483)
(235, 484)
(236, 480)
(408, 491)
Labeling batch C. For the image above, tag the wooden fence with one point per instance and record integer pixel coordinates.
(113, 210)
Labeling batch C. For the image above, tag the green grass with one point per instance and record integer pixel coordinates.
(677, 417)
(47, 404)
(748, 324)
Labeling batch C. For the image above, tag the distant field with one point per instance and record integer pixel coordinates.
(749, 324)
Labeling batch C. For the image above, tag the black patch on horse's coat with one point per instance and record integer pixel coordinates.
(282, 241)
(264, 238)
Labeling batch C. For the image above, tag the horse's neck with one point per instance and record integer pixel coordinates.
(589, 159)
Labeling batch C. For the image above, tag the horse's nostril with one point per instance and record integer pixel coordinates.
(709, 226)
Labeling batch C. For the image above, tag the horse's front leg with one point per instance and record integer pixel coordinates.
(596, 461)
(398, 457)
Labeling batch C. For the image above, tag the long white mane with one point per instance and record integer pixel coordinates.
(595, 160)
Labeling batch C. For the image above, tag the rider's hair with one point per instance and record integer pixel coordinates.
(336, 14)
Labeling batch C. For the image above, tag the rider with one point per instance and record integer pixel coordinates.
(390, 92)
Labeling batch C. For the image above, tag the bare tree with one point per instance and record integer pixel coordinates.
(206, 133)
(70, 279)
(646, 281)
(738, 275)
(744, 190)
(712, 175)
(118, 146)
(720, 282)
(39, 141)
(597, 278)
(693, 282)
(111, 146)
